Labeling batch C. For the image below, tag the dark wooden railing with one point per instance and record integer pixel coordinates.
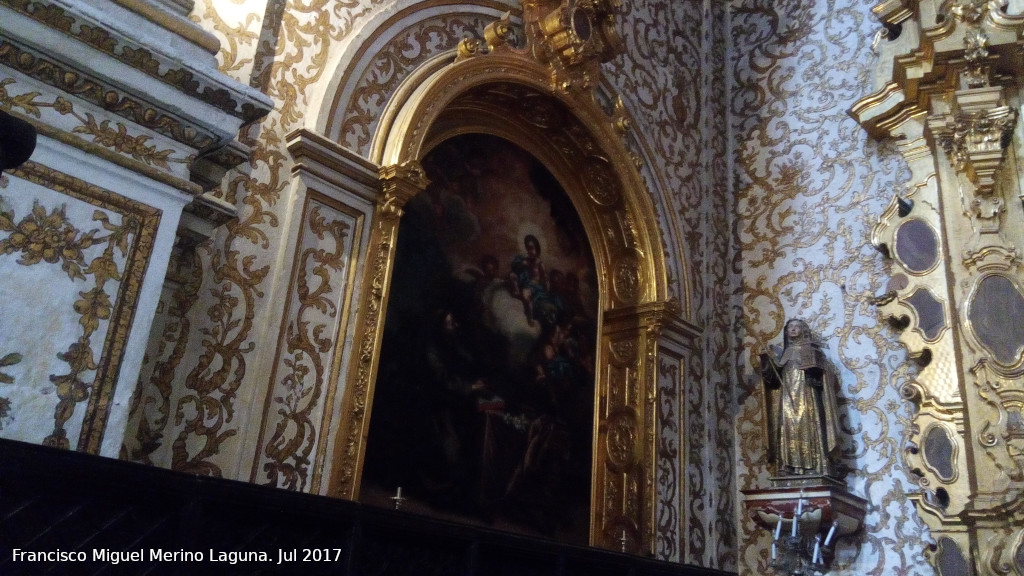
(55, 502)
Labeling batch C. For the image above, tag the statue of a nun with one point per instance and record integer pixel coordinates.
(801, 408)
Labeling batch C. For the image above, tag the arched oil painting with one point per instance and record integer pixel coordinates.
(483, 406)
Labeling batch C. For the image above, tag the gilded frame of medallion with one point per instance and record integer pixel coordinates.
(951, 433)
(1016, 369)
(466, 96)
(896, 252)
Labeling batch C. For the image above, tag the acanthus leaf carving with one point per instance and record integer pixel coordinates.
(976, 136)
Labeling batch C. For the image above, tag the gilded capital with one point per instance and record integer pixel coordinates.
(399, 183)
(976, 141)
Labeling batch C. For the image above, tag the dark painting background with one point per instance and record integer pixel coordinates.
(483, 406)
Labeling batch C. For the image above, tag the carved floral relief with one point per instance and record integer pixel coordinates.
(82, 118)
(87, 253)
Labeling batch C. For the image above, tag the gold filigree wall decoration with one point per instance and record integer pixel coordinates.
(698, 478)
(390, 66)
(205, 410)
(151, 403)
(666, 79)
(209, 382)
(808, 192)
(107, 307)
(671, 78)
(238, 36)
(212, 370)
(668, 472)
(306, 36)
(310, 338)
(310, 31)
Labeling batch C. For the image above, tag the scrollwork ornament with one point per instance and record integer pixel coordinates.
(468, 48)
(624, 352)
(912, 391)
(399, 184)
(299, 390)
(1003, 438)
(621, 441)
(1003, 553)
(627, 278)
(601, 186)
(969, 11)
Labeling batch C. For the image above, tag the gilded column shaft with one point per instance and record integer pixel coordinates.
(399, 183)
(626, 443)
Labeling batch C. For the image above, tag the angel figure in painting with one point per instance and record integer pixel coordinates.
(800, 401)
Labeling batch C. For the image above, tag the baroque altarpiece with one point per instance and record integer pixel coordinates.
(948, 94)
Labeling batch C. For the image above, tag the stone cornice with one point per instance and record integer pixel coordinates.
(76, 35)
(177, 23)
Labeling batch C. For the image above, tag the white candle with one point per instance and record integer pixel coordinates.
(800, 504)
(816, 557)
(831, 532)
(773, 551)
(794, 525)
(778, 528)
(399, 493)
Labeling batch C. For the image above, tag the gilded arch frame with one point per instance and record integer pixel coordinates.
(444, 99)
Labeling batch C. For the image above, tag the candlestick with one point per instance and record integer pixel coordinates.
(397, 499)
(831, 532)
